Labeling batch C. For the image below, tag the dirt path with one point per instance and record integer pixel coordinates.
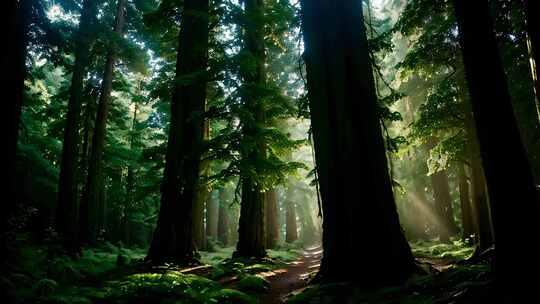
(293, 277)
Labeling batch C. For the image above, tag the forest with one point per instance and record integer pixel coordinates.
(270, 151)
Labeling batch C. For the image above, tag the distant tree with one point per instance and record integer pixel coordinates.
(508, 172)
(341, 87)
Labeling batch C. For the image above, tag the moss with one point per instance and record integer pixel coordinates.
(253, 283)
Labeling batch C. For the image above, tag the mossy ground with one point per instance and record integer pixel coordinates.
(111, 274)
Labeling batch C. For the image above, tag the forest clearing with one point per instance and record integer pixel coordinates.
(270, 151)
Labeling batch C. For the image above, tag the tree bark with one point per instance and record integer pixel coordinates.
(93, 205)
(173, 236)
(508, 172)
(348, 138)
(251, 228)
(272, 225)
(67, 208)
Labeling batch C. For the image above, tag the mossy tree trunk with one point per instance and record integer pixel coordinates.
(348, 138)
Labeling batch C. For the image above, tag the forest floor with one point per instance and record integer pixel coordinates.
(293, 278)
(110, 274)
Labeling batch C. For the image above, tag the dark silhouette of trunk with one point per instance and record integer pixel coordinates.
(532, 11)
(92, 214)
(272, 225)
(15, 24)
(341, 87)
(508, 173)
(465, 203)
(223, 220)
(251, 226)
(291, 229)
(173, 236)
(67, 208)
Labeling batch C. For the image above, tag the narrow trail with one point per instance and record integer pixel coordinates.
(292, 278)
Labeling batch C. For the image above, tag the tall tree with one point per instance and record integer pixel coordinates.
(508, 173)
(92, 214)
(173, 237)
(341, 88)
(67, 208)
(212, 213)
(251, 229)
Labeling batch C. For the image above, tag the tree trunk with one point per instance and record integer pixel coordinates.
(67, 208)
(223, 220)
(291, 230)
(92, 205)
(272, 225)
(532, 11)
(130, 183)
(201, 199)
(465, 202)
(251, 228)
(15, 24)
(341, 87)
(173, 236)
(508, 173)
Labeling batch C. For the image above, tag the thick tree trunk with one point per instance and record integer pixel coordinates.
(251, 228)
(341, 88)
(15, 26)
(93, 205)
(67, 208)
(291, 228)
(272, 225)
(508, 173)
(465, 203)
(173, 236)
(223, 220)
(532, 11)
(130, 184)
